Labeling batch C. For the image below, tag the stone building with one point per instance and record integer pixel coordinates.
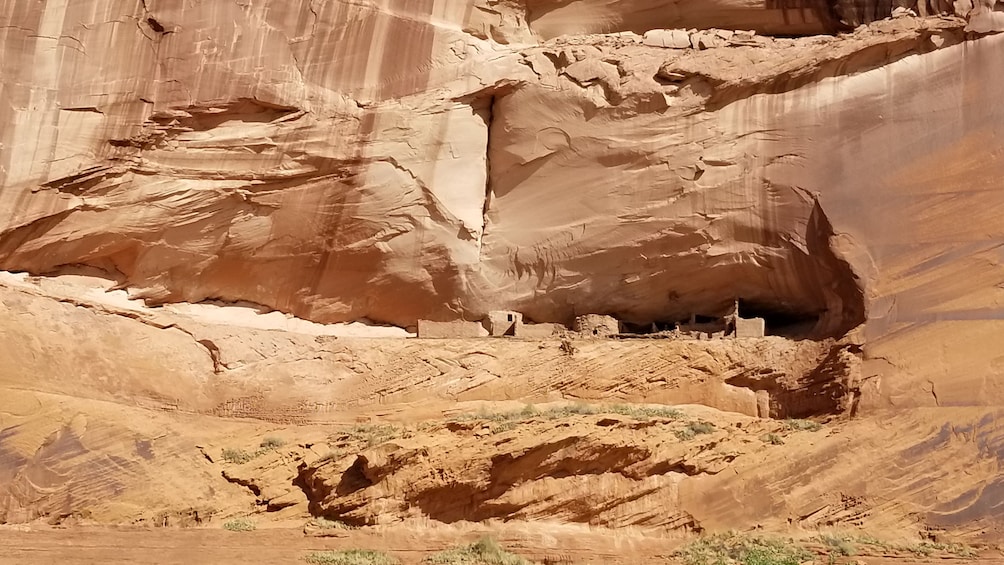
(503, 323)
(428, 329)
(597, 325)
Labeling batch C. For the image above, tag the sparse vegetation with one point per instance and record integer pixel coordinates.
(742, 549)
(839, 545)
(373, 434)
(326, 524)
(803, 425)
(484, 552)
(242, 524)
(504, 427)
(271, 443)
(694, 429)
(505, 421)
(646, 412)
(957, 549)
(772, 439)
(735, 549)
(350, 557)
(240, 456)
(848, 545)
(236, 456)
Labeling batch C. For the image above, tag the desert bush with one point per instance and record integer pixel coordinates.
(646, 412)
(772, 439)
(735, 549)
(373, 434)
(840, 545)
(694, 429)
(503, 427)
(921, 549)
(530, 412)
(326, 524)
(484, 552)
(350, 557)
(236, 456)
(803, 425)
(242, 524)
(239, 456)
(926, 548)
(270, 443)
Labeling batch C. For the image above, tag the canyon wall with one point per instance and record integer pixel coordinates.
(297, 156)
(834, 165)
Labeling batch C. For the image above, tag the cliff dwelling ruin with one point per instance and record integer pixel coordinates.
(511, 324)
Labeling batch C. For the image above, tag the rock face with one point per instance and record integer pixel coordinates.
(599, 469)
(394, 161)
(290, 156)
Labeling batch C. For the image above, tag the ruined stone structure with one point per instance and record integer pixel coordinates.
(597, 325)
(501, 323)
(539, 331)
(428, 329)
(751, 327)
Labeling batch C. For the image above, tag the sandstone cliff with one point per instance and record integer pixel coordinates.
(341, 161)
(833, 164)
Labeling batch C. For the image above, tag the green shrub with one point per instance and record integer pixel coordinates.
(921, 549)
(373, 434)
(694, 429)
(530, 412)
(350, 557)
(239, 456)
(271, 443)
(485, 552)
(772, 439)
(503, 427)
(735, 549)
(236, 456)
(326, 524)
(803, 425)
(577, 409)
(243, 524)
(840, 545)
(926, 548)
(646, 412)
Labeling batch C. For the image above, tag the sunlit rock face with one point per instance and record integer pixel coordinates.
(395, 161)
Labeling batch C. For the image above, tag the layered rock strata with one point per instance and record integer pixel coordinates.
(235, 158)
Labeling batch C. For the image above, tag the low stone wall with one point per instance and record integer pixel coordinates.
(752, 327)
(597, 325)
(539, 331)
(428, 329)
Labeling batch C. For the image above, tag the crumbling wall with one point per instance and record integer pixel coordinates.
(750, 327)
(428, 329)
(597, 325)
(503, 322)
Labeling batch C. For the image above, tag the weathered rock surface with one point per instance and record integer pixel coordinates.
(236, 158)
(610, 470)
(129, 425)
(541, 156)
